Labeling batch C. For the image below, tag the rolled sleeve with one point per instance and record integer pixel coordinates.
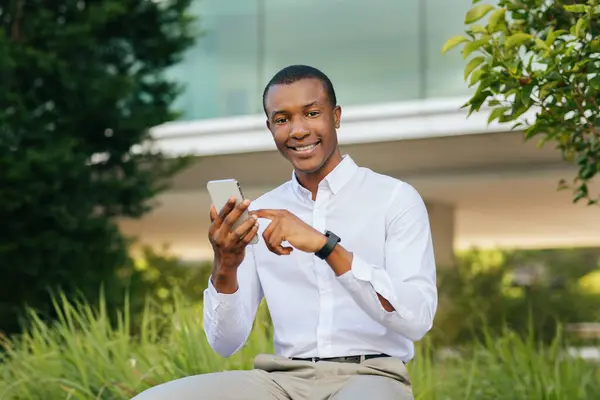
(380, 281)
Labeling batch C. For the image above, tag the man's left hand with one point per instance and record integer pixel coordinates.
(285, 226)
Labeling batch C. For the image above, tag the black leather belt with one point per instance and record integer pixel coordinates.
(348, 359)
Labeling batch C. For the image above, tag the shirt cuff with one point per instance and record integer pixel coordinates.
(220, 300)
(380, 280)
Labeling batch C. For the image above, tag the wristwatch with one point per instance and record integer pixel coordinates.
(332, 241)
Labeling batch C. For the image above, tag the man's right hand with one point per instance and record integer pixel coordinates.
(229, 245)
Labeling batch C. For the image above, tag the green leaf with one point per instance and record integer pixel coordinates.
(545, 89)
(581, 65)
(551, 37)
(541, 44)
(518, 106)
(453, 42)
(582, 160)
(531, 132)
(478, 99)
(497, 113)
(595, 82)
(474, 63)
(542, 142)
(517, 39)
(589, 172)
(519, 111)
(472, 46)
(562, 184)
(477, 12)
(577, 8)
(578, 197)
(476, 28)
(580, 27)
(514, 67)
(596, 10)
(475, 77)
(495, 18)
(526, 94)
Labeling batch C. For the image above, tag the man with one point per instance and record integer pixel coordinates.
(345, 263)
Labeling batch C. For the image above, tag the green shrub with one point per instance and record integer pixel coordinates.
(158, 276)
(479, 293)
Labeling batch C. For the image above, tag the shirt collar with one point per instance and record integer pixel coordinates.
(335, 180)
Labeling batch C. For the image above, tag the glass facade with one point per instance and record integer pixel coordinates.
(374, 51)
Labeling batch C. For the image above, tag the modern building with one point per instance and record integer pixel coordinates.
(401, 116)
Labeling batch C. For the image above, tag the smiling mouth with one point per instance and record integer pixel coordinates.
(305, 148)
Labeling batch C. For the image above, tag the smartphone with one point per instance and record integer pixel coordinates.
(221, 191)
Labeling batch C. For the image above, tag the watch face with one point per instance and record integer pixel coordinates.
(332, 235)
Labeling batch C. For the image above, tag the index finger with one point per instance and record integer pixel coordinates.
(265, 213)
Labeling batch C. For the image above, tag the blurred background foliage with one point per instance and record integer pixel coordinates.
(496, 288)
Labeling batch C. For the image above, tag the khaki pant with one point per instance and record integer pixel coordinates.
(277, 378)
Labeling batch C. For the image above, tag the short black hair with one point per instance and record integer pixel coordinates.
(295, 73)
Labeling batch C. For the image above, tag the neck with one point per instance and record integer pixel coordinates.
(311, 180)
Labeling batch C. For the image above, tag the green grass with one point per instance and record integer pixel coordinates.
(83, 357)
(507, 367)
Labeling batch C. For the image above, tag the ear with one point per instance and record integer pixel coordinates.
(268, 123)
(337, 116)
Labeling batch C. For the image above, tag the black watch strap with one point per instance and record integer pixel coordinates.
(332, 241)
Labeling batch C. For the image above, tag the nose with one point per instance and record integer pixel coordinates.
(299, 130)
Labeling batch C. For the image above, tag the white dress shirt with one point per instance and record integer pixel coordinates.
(384, 223)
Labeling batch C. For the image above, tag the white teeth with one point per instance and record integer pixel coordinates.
(304, 148)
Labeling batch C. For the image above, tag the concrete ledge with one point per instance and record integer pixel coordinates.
(360, 124)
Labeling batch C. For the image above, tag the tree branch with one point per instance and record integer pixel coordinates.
(591, 100)
(15, 29)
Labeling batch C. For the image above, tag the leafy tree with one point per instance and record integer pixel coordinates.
(542, 56)
(82, 81)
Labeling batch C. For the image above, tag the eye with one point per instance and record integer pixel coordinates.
(312, 113)
(281, 120)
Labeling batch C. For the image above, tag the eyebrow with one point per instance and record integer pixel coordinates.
(274, 113)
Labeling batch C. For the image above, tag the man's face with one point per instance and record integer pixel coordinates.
(303, 123)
